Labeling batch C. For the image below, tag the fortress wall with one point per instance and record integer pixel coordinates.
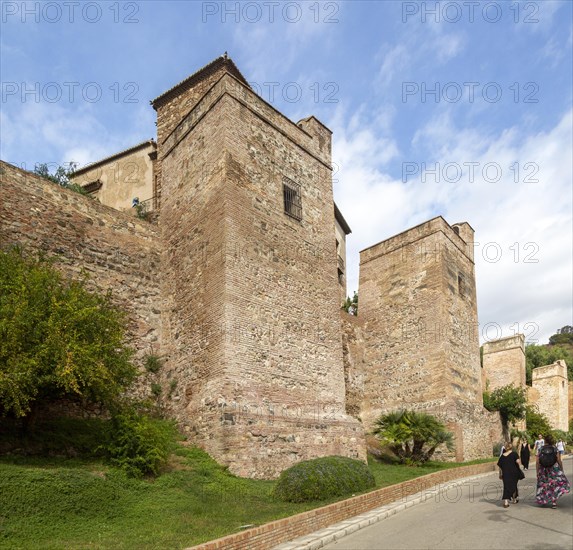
(418, 305)
(267, 388)
(116, 250)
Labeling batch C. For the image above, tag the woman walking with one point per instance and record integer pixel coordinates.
(525, 454)
(551, 480)
(510, 472)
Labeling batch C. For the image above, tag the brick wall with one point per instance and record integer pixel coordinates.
(272, 534)
(253, 320)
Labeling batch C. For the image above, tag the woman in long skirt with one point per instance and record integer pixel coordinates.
(551, 480)
(509, 471)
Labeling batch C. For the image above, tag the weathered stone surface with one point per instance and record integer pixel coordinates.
(504, 362)
(418, 305)
(551, 394)
(254, 340)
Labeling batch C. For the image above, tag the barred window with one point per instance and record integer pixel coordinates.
(292, 199)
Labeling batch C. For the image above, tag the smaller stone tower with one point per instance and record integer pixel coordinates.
(504, 362)
(551, 383)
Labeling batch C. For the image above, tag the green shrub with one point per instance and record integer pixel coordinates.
(139, 444)
(153, 363)
(323, 478)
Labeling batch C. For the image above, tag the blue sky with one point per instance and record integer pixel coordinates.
(438, 108)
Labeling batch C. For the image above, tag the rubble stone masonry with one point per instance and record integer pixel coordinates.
(251, 294)
(418, 305)
(504, 362)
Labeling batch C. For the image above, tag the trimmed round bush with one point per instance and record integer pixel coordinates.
(323, 478)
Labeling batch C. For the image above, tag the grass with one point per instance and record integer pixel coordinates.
(57, 502)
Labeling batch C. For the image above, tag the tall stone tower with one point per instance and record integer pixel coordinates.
(418, 305)
(504, 362)
(550, 382)
(250, 281)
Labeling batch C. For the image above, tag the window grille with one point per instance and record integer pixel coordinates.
(292, 199)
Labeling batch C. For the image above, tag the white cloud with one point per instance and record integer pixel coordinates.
(523, 227)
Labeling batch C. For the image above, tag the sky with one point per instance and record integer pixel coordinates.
(459, 109)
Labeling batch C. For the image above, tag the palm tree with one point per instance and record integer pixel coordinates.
(412, 436)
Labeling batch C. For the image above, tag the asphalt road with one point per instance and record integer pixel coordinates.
(472, 517)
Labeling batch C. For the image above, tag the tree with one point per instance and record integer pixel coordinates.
(412, 436)
(61, 176)
(511, 402)
(539, 356)
(57, 340)
(564, 335)
(351, 305)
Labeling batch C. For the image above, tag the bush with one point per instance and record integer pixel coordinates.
(323, 478)
(139, 444)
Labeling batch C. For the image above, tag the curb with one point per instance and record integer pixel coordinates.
(325, 536)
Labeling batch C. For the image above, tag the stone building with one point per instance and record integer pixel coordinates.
(238, 281)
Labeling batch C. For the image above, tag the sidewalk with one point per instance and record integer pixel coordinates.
(465, 513)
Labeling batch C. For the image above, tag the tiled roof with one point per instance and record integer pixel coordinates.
(114, 156)
(222, 61)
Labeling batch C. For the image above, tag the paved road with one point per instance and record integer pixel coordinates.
(471, 517)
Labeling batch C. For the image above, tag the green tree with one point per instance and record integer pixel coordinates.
(351, 304)
(536, 423)
(539, 356)
(564, 335)
(412, 436)
(57, 339)
(511, 402)
(61, 176)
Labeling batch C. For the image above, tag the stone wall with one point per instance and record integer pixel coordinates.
(354, 365)
(550, 383)
(570, 396)
(115, 250)
(418, 305)
(504, 362)
(254, 339)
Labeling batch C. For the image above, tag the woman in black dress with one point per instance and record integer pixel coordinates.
(509, 471)
(525, 454)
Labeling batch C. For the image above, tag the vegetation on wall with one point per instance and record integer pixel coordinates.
(61, 175)
(351, 304)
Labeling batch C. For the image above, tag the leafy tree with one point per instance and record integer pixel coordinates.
(57, 339)
(61, 176)
(412, 436)
(511, 402)
(564, 335)
(536, 423)
(351, 305)
(539, 356)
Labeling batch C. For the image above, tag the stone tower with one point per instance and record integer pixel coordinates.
(552, 388)
(504, 362)
(418, 305)
(250, 283)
